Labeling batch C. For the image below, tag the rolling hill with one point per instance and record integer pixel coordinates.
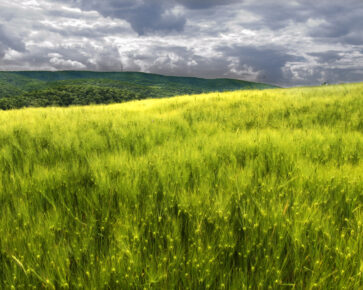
(64, 88)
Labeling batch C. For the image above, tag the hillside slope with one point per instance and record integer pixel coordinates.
(248, 189)
(64, 88)
(144, 79)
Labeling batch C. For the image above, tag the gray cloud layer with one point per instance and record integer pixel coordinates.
(281, 42)
(7, 40)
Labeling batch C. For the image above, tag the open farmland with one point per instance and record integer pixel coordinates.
(247, 189)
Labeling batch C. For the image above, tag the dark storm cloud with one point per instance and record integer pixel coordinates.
(268, 62)
(342, 24)
(8, 40)
(148, 16)
(276, 15)
(339, 20)
(202, 4)
(145, 16)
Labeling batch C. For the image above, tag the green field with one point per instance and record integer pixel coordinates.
(240, 190)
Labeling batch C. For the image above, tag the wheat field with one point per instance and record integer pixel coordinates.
(241, 190)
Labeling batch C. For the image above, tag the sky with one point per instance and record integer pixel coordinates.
(280, 42)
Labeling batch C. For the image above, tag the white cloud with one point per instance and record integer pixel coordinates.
(65, 64)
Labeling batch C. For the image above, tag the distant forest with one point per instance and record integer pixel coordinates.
(43, 89)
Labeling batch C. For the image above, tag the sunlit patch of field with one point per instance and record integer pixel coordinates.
(249, 189)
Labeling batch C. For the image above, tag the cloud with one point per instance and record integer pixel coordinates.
(320, 74)
(9, 40)
(66, 57)
(203, 4)
(341, 24)
(281, 42)
(145, 16)
(64, 64)
(267, 62)
(338, 21)
(327, 57)
(148, 16)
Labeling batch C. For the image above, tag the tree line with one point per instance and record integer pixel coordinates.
(68, 95)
